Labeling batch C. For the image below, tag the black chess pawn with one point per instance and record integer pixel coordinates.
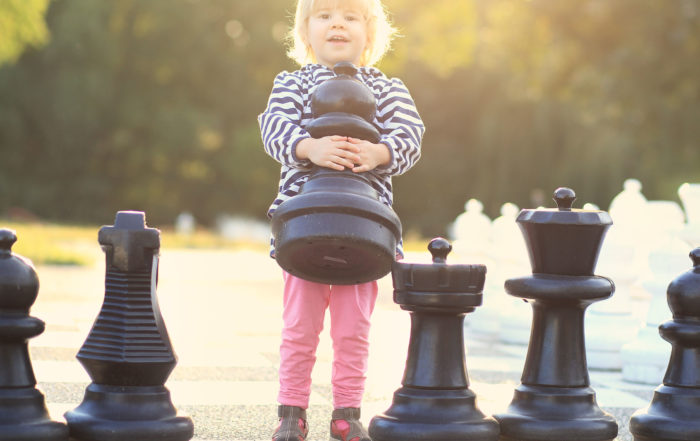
(343, 106)
(128, 353)
(336, 230)
(674, 411)
(435, 402)
(23, 413)
(554, 401)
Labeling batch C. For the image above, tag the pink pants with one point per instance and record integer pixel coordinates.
(305, 306)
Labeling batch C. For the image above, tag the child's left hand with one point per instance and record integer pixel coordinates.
(371, 155)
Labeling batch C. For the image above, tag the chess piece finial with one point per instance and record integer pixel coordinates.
(439, 248)
(564, 197)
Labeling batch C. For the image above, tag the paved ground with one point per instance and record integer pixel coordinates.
(222, 310)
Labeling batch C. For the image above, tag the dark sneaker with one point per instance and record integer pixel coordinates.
(292, 425)
(346, 426)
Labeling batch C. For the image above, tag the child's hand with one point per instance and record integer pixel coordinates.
(371, 155)
(334, 152)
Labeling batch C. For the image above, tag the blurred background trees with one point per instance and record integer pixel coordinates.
(152, 105)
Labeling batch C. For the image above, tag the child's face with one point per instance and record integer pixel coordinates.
(337, 33)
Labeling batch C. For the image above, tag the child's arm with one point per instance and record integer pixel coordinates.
(401, 128)
(280, 123)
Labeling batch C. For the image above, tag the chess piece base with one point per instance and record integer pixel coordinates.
(335, 248)
(661, 422)
(433, 415)
(23, 417)
(134, 413)
(542, 413)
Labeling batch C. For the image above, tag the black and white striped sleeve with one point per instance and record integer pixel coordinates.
(401, 127)
(280, 123)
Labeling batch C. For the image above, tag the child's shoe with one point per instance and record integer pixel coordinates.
(292, 425)
(346, 426)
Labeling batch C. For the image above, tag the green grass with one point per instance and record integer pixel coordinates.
(50, 244)
(62, 244)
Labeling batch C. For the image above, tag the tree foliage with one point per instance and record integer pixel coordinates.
(21, 25)
(152, 105)
(583, 93)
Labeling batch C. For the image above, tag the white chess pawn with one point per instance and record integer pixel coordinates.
(508, 257)
(510, 254)
(645, 358)
(616, 261)
(690, 196)
(471, 232)
(622, 258)
(627, 205)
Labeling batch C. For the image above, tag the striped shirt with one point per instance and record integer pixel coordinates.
(288, 111)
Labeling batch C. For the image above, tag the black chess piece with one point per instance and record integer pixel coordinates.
(128, 353)
(343, 106)
(336, 230)
(23, 413)
(435, 402)
(554, 401)
(674, 411)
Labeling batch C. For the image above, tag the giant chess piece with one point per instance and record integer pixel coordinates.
(23, 414)
(554, 401)
(674, 412)
(645, 357)
(690, 196)
(343, 106)
(336, 230)
(435, 402)
(128, 354)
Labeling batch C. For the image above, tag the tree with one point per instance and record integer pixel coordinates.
(583, 93)
(152, 105)
(21, 25)
(141, 105)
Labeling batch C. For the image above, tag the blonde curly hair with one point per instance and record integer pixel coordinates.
(379, 30)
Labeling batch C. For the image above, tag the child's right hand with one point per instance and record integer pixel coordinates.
(333, 152)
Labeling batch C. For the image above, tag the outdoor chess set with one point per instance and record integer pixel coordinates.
(129, 357)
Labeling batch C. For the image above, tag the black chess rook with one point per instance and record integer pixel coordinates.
(128, 353)
(435, 402)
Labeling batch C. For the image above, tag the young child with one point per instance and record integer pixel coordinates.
(325, 33)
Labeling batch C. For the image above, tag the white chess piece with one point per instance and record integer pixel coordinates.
(616, 262)
(515, 316)
(645, 358)
(628, 201)
(622, 258)
(184, 223)
(508, 257)
(471, 231)
(690, 196)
